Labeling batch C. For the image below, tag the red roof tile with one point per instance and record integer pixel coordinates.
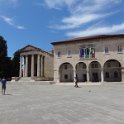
(87, 38)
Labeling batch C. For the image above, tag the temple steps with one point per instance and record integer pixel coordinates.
(26, 79)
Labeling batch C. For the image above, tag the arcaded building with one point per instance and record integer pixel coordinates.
(94, 59)
(35, 64)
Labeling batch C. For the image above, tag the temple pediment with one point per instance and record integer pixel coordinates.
(29, 48)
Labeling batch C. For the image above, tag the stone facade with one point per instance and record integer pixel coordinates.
(36, 64)
(107, 64)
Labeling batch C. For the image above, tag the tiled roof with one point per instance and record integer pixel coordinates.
(88, 38)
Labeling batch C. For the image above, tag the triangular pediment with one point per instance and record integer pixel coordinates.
(29, 48)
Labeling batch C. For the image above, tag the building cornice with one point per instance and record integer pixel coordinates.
(81, 39)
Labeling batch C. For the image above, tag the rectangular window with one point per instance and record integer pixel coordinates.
(106, 50)
(69, 53)
(120, 49)
(59, 54)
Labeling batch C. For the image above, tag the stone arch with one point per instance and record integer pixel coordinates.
(95, 71)
(112, 71)
(81, 71)
(66, 72)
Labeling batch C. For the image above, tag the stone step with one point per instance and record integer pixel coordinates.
(22, 79)
(31, 82)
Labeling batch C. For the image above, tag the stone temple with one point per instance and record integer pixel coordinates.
(35, 64)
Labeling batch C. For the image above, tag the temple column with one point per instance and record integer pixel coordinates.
(20, 73)
(41, 65)
(32, 66)
(26, 68)
(38, 66)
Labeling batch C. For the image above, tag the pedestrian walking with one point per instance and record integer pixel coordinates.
(3, 82)
(76, 81)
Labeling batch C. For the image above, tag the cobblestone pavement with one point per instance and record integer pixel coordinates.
(62, 104)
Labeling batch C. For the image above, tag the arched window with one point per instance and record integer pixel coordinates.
(81, 71)
(66, 73)
(95, 71)
(113, 67)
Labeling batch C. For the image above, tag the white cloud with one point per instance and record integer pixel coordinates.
(98, 30)
(76, 21)
(7, 20)
(10, 21)
(11, 2)
(81, 11)
(59, 3)
(21, 27)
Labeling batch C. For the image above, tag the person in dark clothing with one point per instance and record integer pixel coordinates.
(76, 81)
(3, 81)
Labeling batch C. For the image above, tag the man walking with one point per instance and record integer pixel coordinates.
(76, 81)
(3, 81)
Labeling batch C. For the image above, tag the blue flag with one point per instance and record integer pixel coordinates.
(80, 53)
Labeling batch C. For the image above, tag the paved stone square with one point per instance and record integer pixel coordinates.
(62, 104)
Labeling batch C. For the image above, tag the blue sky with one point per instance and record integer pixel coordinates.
(40, 22)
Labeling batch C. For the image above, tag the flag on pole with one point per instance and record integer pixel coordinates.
(85, 52)
(90, 53)
(93, 53)
(80, 52)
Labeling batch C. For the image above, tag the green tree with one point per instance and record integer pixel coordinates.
(7, 71)
(3, 47)
(16, 64)
(3, 57)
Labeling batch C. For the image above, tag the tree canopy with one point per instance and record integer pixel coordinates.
(16, 64)
(3, 48)
(5, 61)
(8, 68)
